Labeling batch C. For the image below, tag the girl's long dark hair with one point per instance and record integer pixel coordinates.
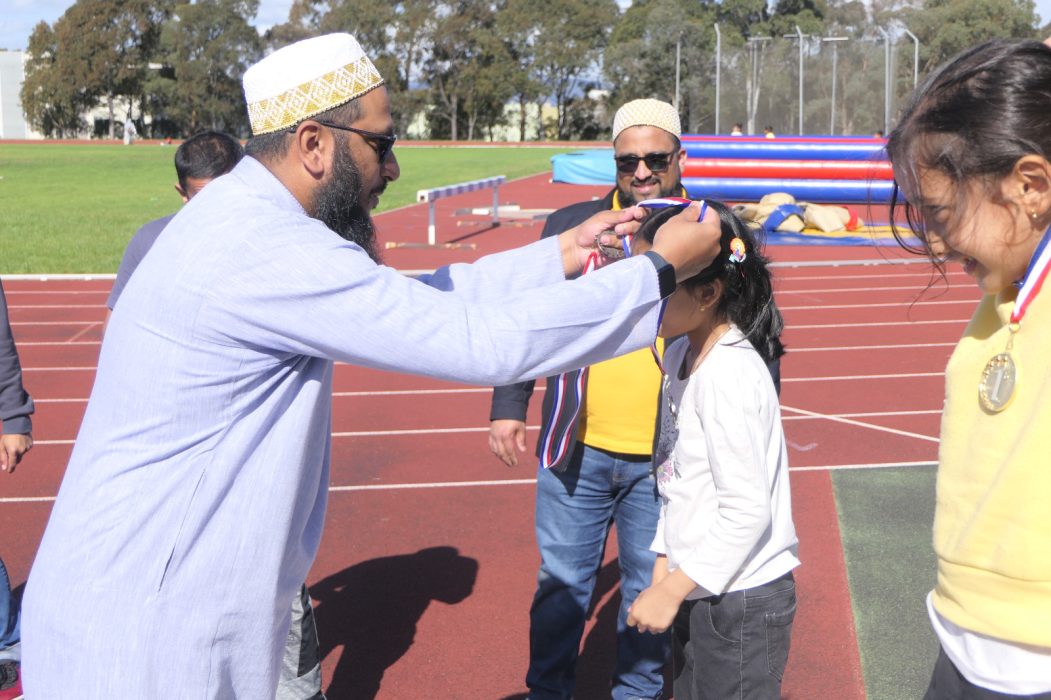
(748, 298)
(972, 119)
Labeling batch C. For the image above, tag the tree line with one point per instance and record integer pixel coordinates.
(457, 64)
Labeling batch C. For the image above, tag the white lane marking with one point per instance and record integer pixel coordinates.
(511, 482)
(53, 306)
(871, 324)
(896, 346)
(851, 377)
(840, 290)
(867, 414)
(860, 424)
(431, 392)
(56, 323)
(868, 305)
(877, 465)
(60, 343)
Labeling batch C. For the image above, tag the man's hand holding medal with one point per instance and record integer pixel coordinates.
(688, 241)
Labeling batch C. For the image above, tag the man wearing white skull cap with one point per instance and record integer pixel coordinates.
(193, 502)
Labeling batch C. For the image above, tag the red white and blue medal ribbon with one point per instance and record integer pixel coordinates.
(996, 388)
(1034, 278)
(553, 445)
(664, 203)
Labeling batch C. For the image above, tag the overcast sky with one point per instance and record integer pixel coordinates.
(18, 17)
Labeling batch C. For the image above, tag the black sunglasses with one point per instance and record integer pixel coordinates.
(381, 143)
(655, 162)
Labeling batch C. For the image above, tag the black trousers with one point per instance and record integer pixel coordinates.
(947, 683)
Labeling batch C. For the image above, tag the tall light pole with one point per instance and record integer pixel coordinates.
(886, 80)
(915, 58)
(678, 47)
(754, 42)
(718, 64)
(800, 36)
(834, 40)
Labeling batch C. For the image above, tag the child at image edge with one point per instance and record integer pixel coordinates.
(725, 540)
(971, 155)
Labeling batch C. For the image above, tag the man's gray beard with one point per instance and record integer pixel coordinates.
(627, 199)
(337, 203)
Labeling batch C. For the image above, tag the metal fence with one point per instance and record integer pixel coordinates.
(803, 85)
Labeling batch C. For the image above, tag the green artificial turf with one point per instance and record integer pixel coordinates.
(72, 208)
(885, 518)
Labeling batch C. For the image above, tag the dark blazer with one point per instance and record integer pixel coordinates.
(16, 406)
(558, 426)
(560, 413)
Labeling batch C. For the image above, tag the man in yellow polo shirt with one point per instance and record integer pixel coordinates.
(595, 450)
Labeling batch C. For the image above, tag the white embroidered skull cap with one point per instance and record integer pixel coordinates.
(305, 79)
(647, 112)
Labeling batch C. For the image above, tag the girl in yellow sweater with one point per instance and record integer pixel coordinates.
(971, 157)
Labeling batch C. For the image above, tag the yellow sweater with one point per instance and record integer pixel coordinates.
(620, 403)
(619, 410)
(992, 525)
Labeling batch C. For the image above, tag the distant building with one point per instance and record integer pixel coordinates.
(12, 74)
(13, 123)
(509, 130)
(506, 132)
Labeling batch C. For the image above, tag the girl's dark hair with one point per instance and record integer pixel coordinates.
(748, 299)
(972, 119)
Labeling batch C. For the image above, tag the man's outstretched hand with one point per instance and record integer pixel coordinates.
(579, 242)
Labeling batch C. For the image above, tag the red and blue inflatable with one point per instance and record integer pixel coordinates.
(832, 170)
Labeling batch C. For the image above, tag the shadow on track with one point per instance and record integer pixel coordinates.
(371, 610)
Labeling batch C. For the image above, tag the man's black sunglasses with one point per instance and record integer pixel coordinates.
(656, 162)
(381, 143)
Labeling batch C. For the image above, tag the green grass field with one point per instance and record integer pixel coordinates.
(73, 208)
(885, 520)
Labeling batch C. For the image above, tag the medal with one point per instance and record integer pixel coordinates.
(996, 389)
(1000, 376)
(611, 251)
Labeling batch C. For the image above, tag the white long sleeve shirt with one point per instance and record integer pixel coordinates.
(193, 502)
(726, 518)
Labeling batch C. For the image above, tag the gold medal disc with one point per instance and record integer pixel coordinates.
(611, 252)
(997, 387)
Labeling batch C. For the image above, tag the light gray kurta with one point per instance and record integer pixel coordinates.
(193, 503)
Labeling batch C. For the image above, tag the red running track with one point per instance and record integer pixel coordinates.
(427, 567)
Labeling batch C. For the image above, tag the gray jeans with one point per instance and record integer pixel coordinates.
(734, 645)
(301, 665)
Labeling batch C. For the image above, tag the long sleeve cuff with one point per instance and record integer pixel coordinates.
(19, 425)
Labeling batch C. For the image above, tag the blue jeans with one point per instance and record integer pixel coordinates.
(574, 511)
(9, 609)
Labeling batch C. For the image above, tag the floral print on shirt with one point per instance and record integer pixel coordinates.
(669, 434)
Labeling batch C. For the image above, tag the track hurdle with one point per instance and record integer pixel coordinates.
(433, 195)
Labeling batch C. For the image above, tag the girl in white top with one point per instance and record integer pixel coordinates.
(725, 540)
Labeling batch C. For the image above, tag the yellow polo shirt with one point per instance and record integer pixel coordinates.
(620, 403)
(619, 411)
